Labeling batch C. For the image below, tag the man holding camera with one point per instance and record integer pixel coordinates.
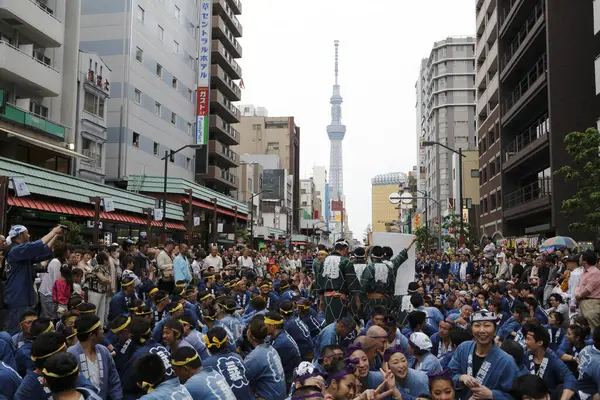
(21, 254)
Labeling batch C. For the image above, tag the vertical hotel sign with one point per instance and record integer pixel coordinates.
(202, 101)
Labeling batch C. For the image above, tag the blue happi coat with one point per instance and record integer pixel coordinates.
(130, 388)
(438, 349)
(170, 389)
(9, 381)
(416, 383)
(231, 366)
(197, 341)
(553, 371)
(7, 350)
(497, 373)
(110, 385)
(23, 359)
(511, 325)
(327, 336)
(265, 372)
(119, 304)
(32, 387)
(556, 336)
(313, 321)
(301, 335)
(242, 299)
(589, 370)
(208, 384)
(429, 363)
(289, 354)
(235, 327)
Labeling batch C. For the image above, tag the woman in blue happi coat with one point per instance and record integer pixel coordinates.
(573, 343)
(263, 365)
(211, 319)
(286, 347)
(368, 379)
(202, 382)
(143, 344)
(555, 330)
(227, 362)
(241, 295)
(409, 382)
(227, 317)
(172, 337)
(543, 362)
(589, 366)
(535, 311)
(149, 373)
(420, 348)
(297, 330)
(513, 324)
(61, 376)
(479, 366)
(95, 361)
(45, 346)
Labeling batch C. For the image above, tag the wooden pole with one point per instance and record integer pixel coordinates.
(96, 201)
(4, 180)
(190, 227)
(214, 228)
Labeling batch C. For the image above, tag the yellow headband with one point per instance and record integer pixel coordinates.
(229, 308)
(124, 284)
(174, 330)
(148, 387)
(148, 332)
(152, 291)
(284, 287)
(209, 276)
(143, 312)
(53, 375)
(49, 328)
(182, 322)
(73, 318)
(64, 346)
(120, 328)
(305, 306)
(177, 308)
(265, 285)
(72, 334)
(205, 297)
(163, 299)
(215, 342)
(210, 317)
(281, 310)
(181, 284)
(184, 362)
(93, 328)
(323, 253)
(93, 310)
(273, 321)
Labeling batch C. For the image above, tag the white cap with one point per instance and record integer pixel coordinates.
(421, 340)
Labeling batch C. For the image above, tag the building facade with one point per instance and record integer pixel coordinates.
(447, 104)
(276, 136)
(277, 201)
(385, 217)
(39, 46)
(250, 110)
(546, 90)
(308, 199)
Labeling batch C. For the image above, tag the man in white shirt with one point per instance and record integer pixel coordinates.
(61, 254)
(296, 263)
(576, 271)
(214, 259)
(245, 261)
(164, 264)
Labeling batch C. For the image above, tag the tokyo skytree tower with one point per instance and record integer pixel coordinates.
(336, 132)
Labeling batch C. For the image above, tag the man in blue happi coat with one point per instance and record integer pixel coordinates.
(333, 333)
(121, 302)
(480, 368)
(149, 374)
(589, 368)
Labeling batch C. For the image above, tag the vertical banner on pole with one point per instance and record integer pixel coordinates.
(203, 92)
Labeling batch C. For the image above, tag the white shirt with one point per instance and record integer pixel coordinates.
(50, 277)
(216, 262)
(94, 372)
(245, 262)
(463, 270)
(573, 283)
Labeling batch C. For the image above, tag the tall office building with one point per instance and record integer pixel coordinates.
(385, 215)
(336, 132)
(275, 136)
(488, 119)
(216, 163)
(152, 49)
(546, 90)
(447, 104)
(39, 53)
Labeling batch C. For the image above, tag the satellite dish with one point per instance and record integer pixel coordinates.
(406, 198)
(395, 198)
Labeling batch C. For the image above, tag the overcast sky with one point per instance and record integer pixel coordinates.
(288, 68)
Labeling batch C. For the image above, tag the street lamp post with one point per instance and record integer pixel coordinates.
(252, 213)
(426, 219)
(460, 178)
(168, 154)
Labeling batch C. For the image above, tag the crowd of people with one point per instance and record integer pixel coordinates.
(131, 321)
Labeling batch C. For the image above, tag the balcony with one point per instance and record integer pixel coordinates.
(225, 84)
(534, 80)
(17, 116)
(532, 198)
(224, 10)
(220, 176)
(226, 110)
(222, 57)
(97, 82)
(236, 6)
(223, 132)
(31, 76)
(222, 33)
(508, 13)
(222, 155)
(532, 26)
(34, 22)
(527, 143)
(489, 96)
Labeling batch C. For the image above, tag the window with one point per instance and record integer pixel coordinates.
(485, 205)
(38, 109)
(493, 201)
(156, 148)
(136, 139)
(596, 16)
(191, 95)
(276, 124)
(171, 156)
(159, 70)
(177, 13)
(137, 96)
(157, 108)
(161, 33)
(139, 54)
(175, 47)
(174, 118)
(493, 168)
(304, 203)
(141, 14)
(190, 61)
(188, 163)
(174, 83)
(93, 104)
(272, 146)
(190, 129)
(499, 198)
(93, 150)
(474, 173)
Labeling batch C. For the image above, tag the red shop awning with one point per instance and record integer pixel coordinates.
(219, 209)
(170, 225)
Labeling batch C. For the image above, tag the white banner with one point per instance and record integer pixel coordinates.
(399, 241)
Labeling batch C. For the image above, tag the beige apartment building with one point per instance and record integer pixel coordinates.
(279, 136)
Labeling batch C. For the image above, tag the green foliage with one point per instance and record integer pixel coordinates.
(421, 235)
(75, 236)
(452, 223)
(585, 173)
